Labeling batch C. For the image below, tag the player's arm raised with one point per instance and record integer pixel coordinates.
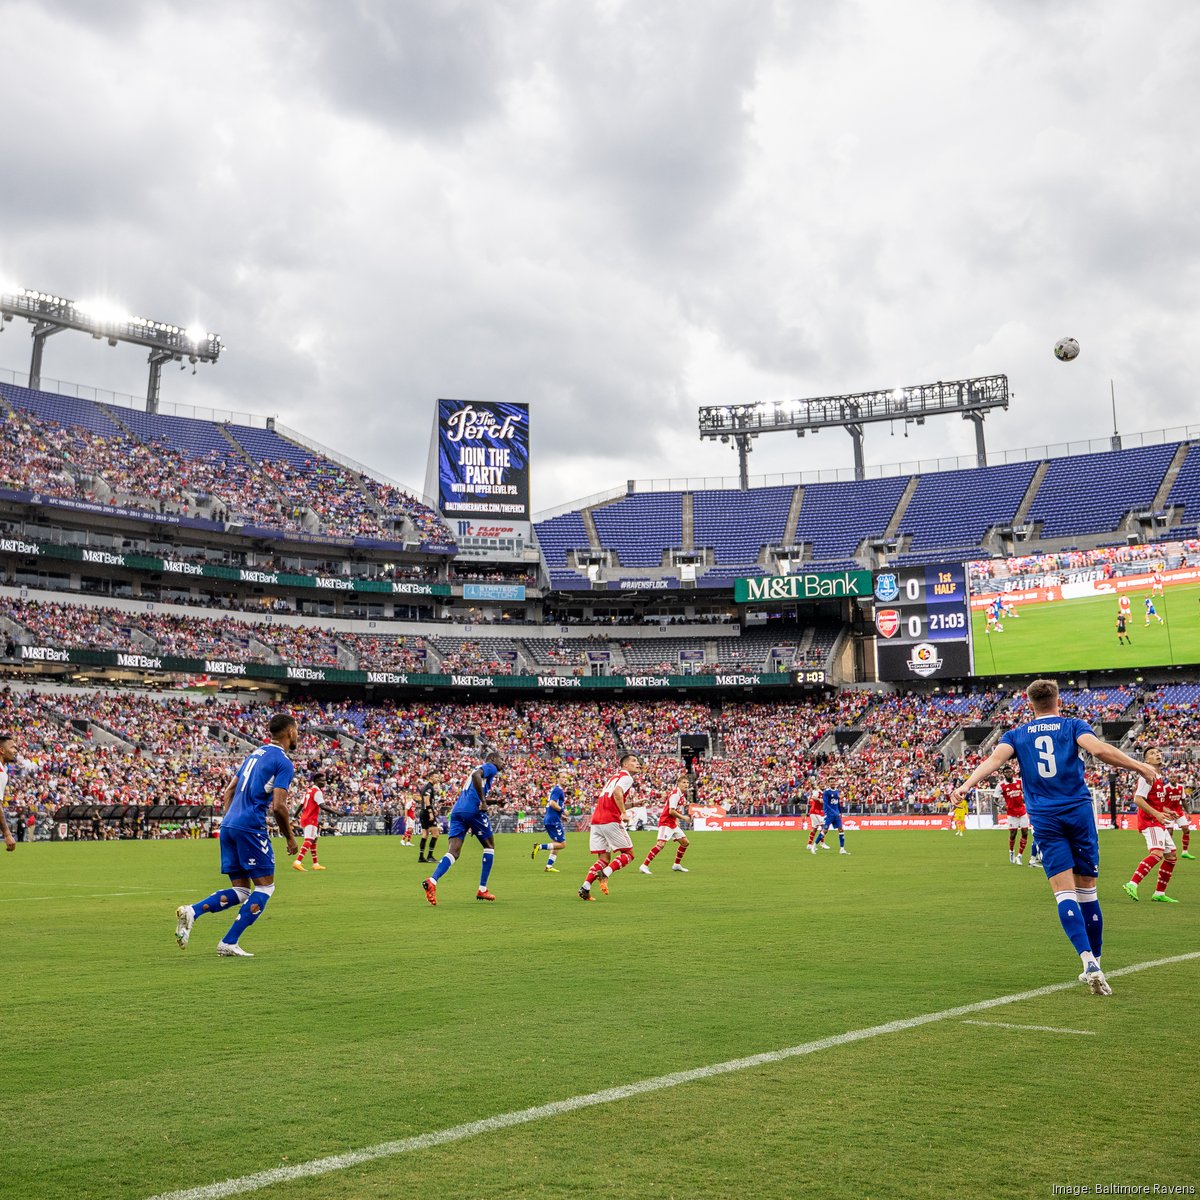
(987, 768)
(279, 806)
(1114, 757)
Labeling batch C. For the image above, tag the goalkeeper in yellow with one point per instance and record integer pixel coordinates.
(958, 816)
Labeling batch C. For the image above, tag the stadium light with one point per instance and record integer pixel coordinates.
(969, 398)
(105, 319)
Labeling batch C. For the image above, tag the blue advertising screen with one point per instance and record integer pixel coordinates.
(483, 459)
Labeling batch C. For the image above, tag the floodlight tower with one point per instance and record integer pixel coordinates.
(50, 314)
(971, 399)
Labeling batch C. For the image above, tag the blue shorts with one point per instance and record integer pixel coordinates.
(833, 822)
(463, 823)
(555, 830)
(1066, 838)
(246, 854)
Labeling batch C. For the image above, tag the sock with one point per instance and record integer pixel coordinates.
(485, 868)
(622, 860)
(595, 871)
(423, 841)
(1074, 927)
(313, 850)
(1144, 868)
(841, 840)
(217, 901)
(820, 837)
(1024, 839)
(432, 843)
(550, 860)
(812, 833)
(1012, 840)
(655, 850)
(679, 854)
(446, 863)
(1187, 837)
(1089, 905)
(303, 850)
(1164, 876)
(250, 911)
(543, 845)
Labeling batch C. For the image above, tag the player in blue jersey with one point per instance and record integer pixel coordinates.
(260, 785)
(1151, 611)
(1050, 751)
(831, 798)
(470, 816)
(552, 822)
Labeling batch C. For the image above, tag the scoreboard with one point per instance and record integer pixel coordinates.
(922, 623)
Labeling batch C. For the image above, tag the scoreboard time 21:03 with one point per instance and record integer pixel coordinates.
(922, 623)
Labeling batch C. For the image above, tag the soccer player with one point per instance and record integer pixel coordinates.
(8, 754)
(668, 828)
(1154, 823)
(470, 815)
(310, 821)
(831, 801)
(261, 783)
(1016, 816)
(410, 821)
(1048, 749)
(816, 819)
(958, 815)
(994, 612)
(552, 822)
(1174, 806)
(1123, 629)
(1156, 581)
(1151, 611)
(609, 840)
(429, 816)
(1125, 608)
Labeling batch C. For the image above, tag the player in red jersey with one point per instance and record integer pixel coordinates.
(1152, 823)
(1156, 582)
(610, 840)
(310, 821)
(410, 821)
(1016, 816)
(668, 828)
(816, 818)
(1125, 608)
(1176, 809)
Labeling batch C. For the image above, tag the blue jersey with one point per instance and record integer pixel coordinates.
(554, 815)
(469, 800)
(1051, 762)
(263, 770)
(832, 799)
(1149, 605)
(997, 607)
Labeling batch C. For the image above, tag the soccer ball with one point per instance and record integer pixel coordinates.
(1066, 349)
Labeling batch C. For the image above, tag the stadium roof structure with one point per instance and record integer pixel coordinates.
(50, 314)
(969, 398)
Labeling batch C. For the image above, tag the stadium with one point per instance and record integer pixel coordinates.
(742, 1006)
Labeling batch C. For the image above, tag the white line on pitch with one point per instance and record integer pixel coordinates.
(457, 1133)
(89, 896)
(1036, 1028)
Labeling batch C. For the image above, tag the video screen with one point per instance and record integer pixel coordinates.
(1079, 610)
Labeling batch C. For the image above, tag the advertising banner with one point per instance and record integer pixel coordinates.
(799, 822)
(807, 585)
(493, 591)
(483, 459)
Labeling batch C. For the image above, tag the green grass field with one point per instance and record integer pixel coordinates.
(131, 1068)
(1080, 635)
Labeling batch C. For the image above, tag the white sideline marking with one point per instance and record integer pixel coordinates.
(423, 1141)
(90, 896)
(1036, 1028)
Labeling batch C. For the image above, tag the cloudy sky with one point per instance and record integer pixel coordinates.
(616, 211)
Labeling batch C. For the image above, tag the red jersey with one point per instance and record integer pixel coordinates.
(1123, 604)
(1013, 797)
(1153, 794)
(310, 814)
(674, 801)
(1173, 798)
(606, 811)
(816, 806)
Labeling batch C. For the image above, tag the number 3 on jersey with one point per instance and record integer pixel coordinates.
(1047, 765)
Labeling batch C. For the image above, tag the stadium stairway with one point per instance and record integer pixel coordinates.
(688, 509)
(901, 507)
(793, 518)
(589, 524)
(1173, 469)
(1022, 513)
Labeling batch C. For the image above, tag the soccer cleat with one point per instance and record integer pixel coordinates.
(318, 867)
(184, 920)
(430, 891)
(1130, 889)
(1036, 861)
(484, 894)
(550, 870)
(585, 893)
(676, 867)
(297, 865)
(1018, 860)
(1163, 898)
(824, 845)
(812, 849)
(843, 850)
(533, 852)
(604, 886)
(1012, 858)
(645, 870)
(1186, 854)
(232, 950)
(1096, 983)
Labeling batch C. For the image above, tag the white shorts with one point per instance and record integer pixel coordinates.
(1019, 822)
(1158, 838)
(311, 831)
(668, 834)
(610, 837)
(1180, 822)
(815, 821)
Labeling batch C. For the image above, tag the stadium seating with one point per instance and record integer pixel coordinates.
(736, 525)
(641, 527)
(836, 517)
(954, 509)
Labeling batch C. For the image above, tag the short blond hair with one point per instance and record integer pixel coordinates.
(1042, 694)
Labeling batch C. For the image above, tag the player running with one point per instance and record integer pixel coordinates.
(1154, 824)
(1151, 611)
(668, 828)
(816, 819)
(1016, 816)
(8, 754)
(1174, 796)
(1123, 637)
(410, 821)
(429, 816)
(609, 836)
(993, 615)
(310, 821)
(831, 801)
(261, 783)
(470, 815)
(1048, 749)
(552, 821)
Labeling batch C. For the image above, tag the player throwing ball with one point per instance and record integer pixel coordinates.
(668, 829)
(610, 841)
(1048, 749)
